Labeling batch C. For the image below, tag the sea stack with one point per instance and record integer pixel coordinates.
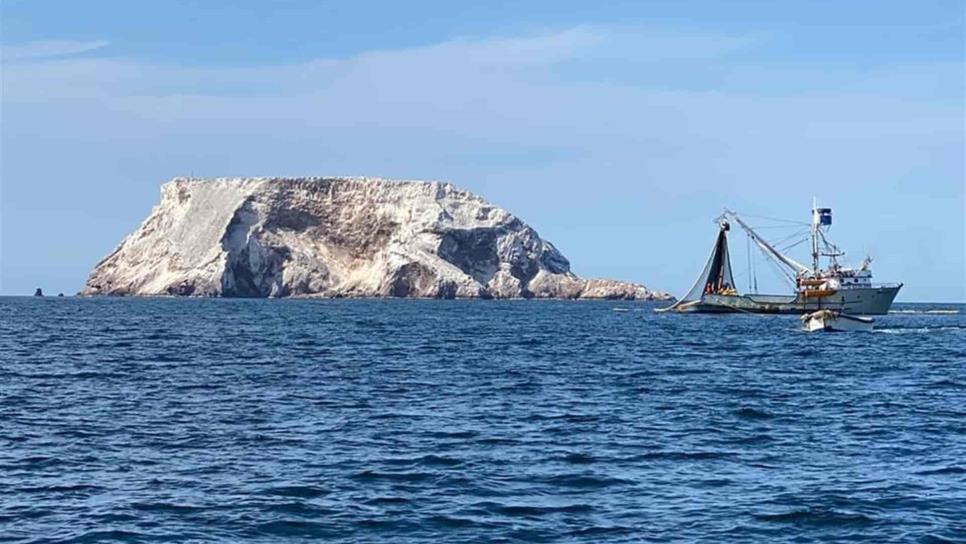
(338, 237)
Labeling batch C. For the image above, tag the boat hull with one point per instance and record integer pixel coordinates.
(854, 301)
(835, 322)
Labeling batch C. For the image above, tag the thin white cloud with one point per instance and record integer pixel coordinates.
(48, 48)
(499, 60)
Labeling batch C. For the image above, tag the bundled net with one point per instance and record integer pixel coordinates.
(716, 277)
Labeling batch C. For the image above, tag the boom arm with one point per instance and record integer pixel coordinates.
(766, 247)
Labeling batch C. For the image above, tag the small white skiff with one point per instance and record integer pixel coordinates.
(829, 320)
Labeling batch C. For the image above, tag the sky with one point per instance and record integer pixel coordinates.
(619, 130)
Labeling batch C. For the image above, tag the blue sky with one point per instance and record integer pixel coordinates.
(618, 131)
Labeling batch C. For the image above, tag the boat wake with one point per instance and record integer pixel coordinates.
(920, 330)
(925, 312)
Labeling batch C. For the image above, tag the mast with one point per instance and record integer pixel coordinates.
(821, 221)
(766, 247)
(815, 223)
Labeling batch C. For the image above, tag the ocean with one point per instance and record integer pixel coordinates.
(218, 420)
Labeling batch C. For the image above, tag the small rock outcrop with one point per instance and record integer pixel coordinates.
(39, 292)
(338, 237)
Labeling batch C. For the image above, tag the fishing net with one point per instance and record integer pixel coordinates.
(716, 277)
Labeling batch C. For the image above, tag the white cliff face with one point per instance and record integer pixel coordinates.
(338, 237)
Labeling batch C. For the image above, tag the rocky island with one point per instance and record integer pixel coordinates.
(338, 237)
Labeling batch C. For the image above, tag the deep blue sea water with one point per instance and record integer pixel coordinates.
(176, 420)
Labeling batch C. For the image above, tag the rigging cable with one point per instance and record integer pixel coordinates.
(773, 262)
(786, 248)
(754, 273)
(748, 252)
(781, 272)
(803, 234)
(789, 221)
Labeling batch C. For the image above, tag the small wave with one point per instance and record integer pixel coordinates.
(715, 482)
(584, 481)
(113, 517)
(293, 528)
(391, 415)
(162, 358)
(601, 531)
(37, 461)
(298, 508)
(372, 475)
(194, 386)
(946, 383)
(426, 460)
(816, 516)
(687, 371)
(936, 539)
(541, 510)
(25, 514)
(806, 352)
(300, 491)
(454, 434)
(941, 471)
(166, 507)
(451, 521)
(63, 376)
(77, 488)
(578, 459)
(186, 443)
(79, 433)
(527, 510)
(683, 455)
(752, 413)
(387, 500)
(497, 441)
(568, 417)
(115, 535)
(386, 525)
(753, 439)
(537, 511)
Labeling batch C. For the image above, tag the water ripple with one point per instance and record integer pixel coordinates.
(174, 420)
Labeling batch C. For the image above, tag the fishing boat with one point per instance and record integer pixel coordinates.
(835, 287)
(830, 320)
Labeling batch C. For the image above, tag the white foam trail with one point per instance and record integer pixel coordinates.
(918, 330)
(947, 312)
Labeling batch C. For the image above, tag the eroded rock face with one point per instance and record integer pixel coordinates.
(338, 237)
